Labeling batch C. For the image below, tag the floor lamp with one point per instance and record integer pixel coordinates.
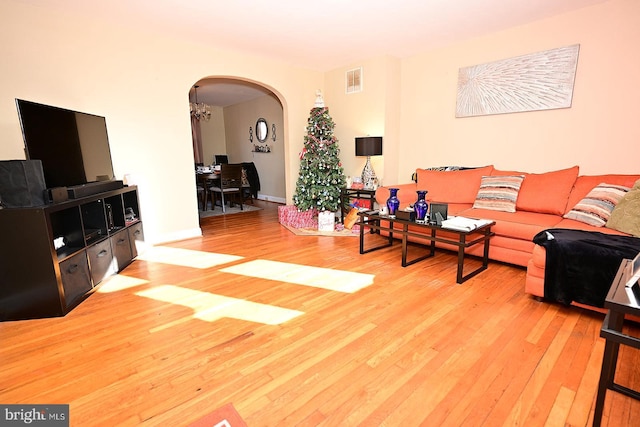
(369, 146)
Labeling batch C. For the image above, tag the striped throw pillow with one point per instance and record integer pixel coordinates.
(498, 193)
(596, 207)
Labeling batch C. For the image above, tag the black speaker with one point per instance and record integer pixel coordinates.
(22, 184)
(58, 194)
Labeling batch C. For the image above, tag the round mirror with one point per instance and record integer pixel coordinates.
(261, 130)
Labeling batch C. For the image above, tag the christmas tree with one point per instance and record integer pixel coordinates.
(321, 174)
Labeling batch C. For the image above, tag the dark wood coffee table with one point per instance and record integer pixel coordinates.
(376, 223)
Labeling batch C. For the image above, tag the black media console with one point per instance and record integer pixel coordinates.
(53, 257)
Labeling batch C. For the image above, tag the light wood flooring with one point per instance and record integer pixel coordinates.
(305, 331)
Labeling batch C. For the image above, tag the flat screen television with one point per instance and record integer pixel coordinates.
(73, 146)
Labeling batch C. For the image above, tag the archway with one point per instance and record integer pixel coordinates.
(236, 105)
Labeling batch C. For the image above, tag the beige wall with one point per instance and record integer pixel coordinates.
(140, 83)
(270, 166)
(412, 103)
(372, 112)
(600, 131)
(213, 135)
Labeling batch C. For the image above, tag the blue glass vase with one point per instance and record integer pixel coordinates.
(421, 206)
(393, 203)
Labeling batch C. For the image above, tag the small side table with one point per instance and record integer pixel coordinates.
(620, 301)
(346, 194)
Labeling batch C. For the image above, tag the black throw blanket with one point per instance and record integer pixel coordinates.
(581, 265)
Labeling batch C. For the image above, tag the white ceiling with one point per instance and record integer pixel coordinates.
(320, 35)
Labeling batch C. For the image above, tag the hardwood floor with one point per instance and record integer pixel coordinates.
(302, 330)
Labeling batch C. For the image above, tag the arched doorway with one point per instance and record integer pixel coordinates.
(236, 106)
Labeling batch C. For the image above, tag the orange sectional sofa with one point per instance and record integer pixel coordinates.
(542, 201)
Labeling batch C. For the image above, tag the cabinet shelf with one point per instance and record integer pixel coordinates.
(67, 251)
(348, 194)
(54, 256)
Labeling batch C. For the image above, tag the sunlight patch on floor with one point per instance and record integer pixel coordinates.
(117, 283)
(210, 307)
(325, 278)
(186, 257)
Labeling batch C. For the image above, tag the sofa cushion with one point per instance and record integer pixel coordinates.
(539, 258)
(498, 193)
(579, 225)
(626, 215)
(585, 183)
(545, 192)
(596, 207)
(519, 225)
(458, 186)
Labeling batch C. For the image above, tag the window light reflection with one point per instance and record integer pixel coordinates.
(117, 283)
(210, 307)
(325, 278)
(186, 257)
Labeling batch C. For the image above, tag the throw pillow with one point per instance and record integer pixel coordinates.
(414, 176)
(586, 183)
(595, 209)
(498, 193)
(626, 215)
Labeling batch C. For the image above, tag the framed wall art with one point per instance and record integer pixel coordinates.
(538, 81)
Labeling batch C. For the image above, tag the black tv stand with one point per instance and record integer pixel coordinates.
(54, 256)
(91, 188)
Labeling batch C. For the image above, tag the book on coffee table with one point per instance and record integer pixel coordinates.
(461, 223)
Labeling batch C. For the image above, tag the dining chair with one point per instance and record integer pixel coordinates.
(229, 184)
(202, 194)
(203, 182)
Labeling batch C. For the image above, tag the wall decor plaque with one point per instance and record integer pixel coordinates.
(538, 81)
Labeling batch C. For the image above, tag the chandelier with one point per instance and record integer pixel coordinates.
(199, 110)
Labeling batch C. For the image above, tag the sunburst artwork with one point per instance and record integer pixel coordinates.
(538, 81)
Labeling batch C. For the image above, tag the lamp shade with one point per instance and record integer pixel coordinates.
(369, 146)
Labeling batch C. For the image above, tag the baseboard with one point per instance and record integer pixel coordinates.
(176, 236)
(274, 199)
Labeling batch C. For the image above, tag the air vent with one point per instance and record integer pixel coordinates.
(354, 80)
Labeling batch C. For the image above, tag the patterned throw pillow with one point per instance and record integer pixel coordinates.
(625, 216)
(596, 207)
(414, 176)
(498, 193)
